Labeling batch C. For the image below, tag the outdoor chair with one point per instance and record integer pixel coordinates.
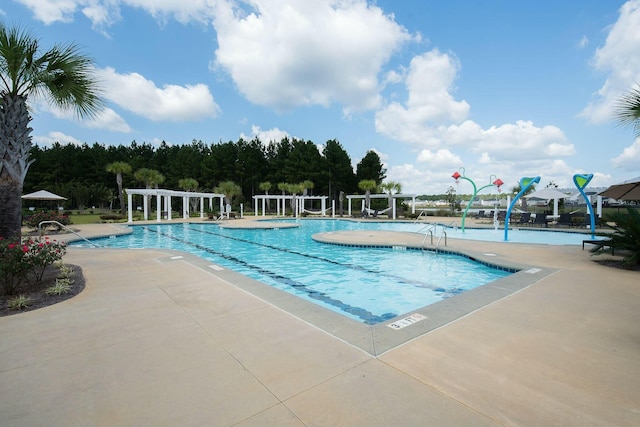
(599, 245)
(541, 219)
(525, 219)
(480, 214)
(565, 220)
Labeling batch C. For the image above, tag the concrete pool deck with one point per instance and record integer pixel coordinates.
(155, 339)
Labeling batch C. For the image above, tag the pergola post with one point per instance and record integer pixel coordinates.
(158, 207)
(130, 207)
(145, 207)
(264, 200)
(201, 207)
(169, 208)
(185, 207)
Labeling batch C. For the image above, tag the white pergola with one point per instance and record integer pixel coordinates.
(281, 202)
(166, 195)
(383, 196)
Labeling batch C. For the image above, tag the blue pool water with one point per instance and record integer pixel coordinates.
(371, 285)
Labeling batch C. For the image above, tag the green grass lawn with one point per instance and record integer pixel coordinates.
(85, 219)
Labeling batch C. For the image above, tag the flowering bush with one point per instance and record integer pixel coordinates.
(40, 254)
(36, 218)
(26, 260)
(12, 267)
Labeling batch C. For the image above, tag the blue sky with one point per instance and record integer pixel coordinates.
(504, 88)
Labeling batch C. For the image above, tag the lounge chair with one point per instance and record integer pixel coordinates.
(525, 219)
(565, 220)
(540, 219)
(599, 244)
(480, 214)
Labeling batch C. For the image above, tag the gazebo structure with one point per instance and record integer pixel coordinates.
(166, 195)
(383, 196)
(281, 203)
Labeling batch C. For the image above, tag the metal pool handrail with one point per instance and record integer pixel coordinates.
(66, 228)
(422, 212)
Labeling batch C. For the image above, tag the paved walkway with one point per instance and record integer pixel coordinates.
(156, 340)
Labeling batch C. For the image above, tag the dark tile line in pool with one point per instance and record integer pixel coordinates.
(412, 248)
(366, 316)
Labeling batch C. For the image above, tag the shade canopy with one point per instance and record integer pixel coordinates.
(43, 195)
(627, 190)
(547, 194)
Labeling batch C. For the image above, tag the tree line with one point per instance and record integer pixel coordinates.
(85, 174)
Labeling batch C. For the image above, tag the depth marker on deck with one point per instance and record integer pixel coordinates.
(409, 320)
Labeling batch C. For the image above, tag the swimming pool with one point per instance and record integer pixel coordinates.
(371, 285)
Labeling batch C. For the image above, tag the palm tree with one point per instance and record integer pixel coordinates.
(190, 185)
(305, 186)
(294, 189)
(391, 188)
(266, 186)
(64, 77)
(627, 111)
(282, 186)
(120, 168)
(151, 178)
(367, 185)
(230, 189)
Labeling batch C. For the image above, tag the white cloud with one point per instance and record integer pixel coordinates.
(435, 122)
(108, 119)
(441, 157)
(429, 103)
(53, 137)
(288, 54)
(265, 136)
(584, 42)
(629, 159)
(620, 58)
(432, 119)
(411, 178)
(103, 13)
(52, 11)
(134, 93)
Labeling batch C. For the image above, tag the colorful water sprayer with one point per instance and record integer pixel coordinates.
(497, 183)
(581, 181)
(525, 183)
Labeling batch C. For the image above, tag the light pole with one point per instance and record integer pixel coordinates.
(456, 175)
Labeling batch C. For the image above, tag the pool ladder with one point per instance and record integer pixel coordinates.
(430, 228)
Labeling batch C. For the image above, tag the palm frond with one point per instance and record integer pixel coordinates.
(627, 110)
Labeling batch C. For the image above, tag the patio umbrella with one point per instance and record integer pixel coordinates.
(627, 190)
(549, 194)
(43, 195)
